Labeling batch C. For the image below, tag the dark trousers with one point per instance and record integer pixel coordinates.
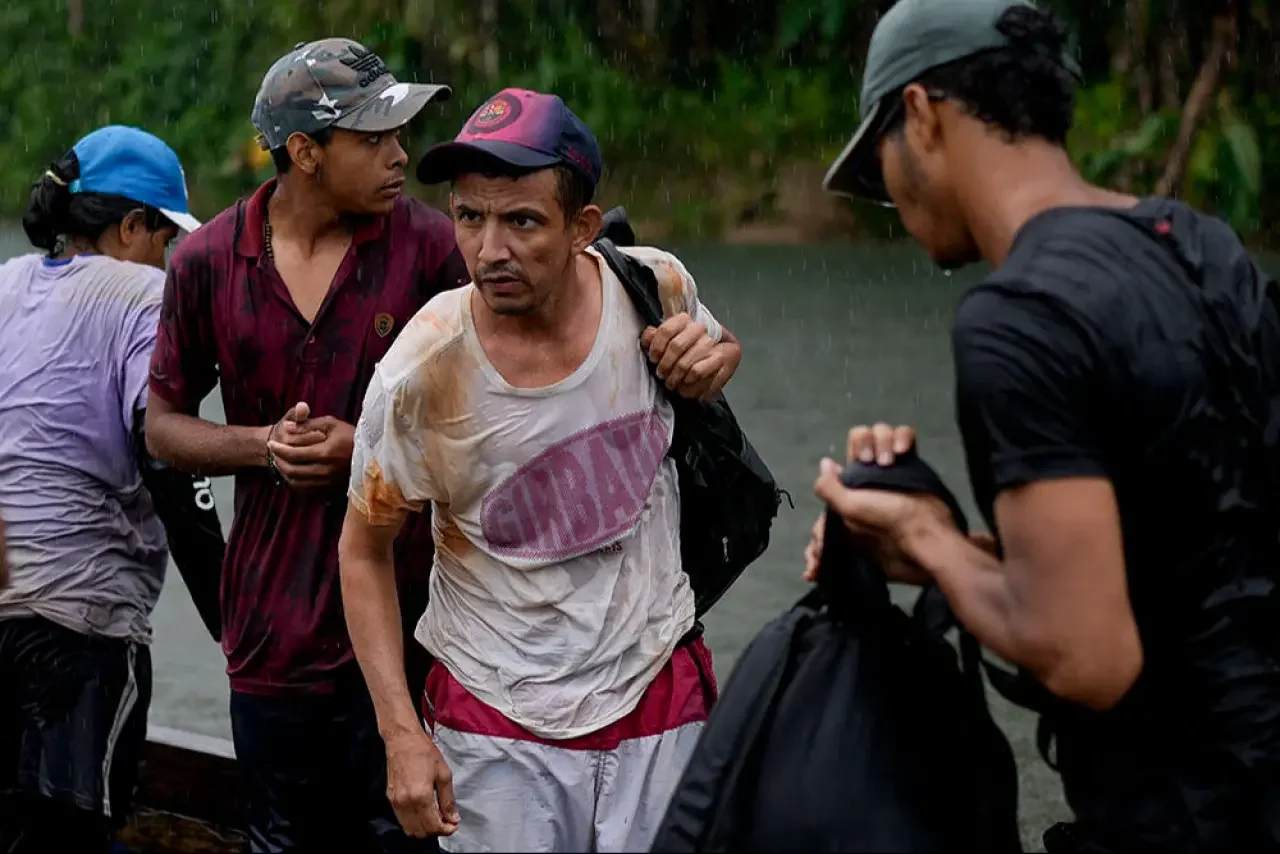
(315, 772)
(73, 722)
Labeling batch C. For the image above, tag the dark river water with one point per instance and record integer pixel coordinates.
(833, 336)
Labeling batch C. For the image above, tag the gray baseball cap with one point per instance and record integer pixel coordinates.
(334, 83)
(912, 37)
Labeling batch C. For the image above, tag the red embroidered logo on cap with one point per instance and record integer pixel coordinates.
(495, 114)
(581, 159)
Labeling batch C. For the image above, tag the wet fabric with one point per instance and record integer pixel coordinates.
(315, 773)
(85, 547)
(228, 320)
(604, 791)
(73, 716)
(847, 725)
(558, 592)
(1143, 346)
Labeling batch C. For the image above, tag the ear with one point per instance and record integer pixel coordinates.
(585, 226)
(923, 123)
(304, 152)
(132, 228)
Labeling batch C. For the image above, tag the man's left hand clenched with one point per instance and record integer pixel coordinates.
(690, 362)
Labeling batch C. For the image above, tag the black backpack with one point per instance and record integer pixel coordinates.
(728, 497)
(849, 725)
(185, 506)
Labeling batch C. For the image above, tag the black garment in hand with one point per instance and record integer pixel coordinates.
(848, 725)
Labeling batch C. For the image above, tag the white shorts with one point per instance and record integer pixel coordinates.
(604, 792)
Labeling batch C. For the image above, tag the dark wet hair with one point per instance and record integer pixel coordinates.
(280, 156)
(574, 190)
(54, 212)
(1023, 88)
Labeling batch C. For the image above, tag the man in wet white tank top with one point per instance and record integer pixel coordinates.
(566, 695)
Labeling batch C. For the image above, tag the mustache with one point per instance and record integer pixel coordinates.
(503, 270)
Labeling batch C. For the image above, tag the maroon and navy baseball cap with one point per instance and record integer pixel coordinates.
(523, 129)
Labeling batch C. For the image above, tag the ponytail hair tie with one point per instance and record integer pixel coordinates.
(52, 176)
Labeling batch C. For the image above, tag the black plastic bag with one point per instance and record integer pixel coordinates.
(849, 725)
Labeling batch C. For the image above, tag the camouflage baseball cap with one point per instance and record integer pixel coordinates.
(334, 83)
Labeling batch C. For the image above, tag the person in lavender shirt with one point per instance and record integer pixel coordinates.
(4, 563)
(85, 548)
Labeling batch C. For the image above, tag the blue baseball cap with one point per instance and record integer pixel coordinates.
(524, 129)
(125, 161)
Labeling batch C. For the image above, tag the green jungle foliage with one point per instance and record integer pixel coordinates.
(701, 106)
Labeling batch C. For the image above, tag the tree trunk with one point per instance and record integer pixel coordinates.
(1198, 100)
(489, 23)
(1138, 30)
(649, 18)
(1130, 61)
(75, 17)
(609, 20)
(1174, 51)
(700, 26)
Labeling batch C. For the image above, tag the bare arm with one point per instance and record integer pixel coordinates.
(1058, 604)
(390, 478)
(419, 782)
(372, 606)
(192, 444)
(184, 369)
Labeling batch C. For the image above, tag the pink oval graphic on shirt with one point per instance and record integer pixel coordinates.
(578, 494)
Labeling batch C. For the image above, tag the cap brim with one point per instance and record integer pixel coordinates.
(448, 160)
(393, 107)
(851, 173)
(184, 221)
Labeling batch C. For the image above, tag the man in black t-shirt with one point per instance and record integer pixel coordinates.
(1116, 384)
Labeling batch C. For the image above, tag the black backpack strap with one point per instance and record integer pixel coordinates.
(934, 616)
(638, 280)
(1022, 690)
(972, 665)
(617, 228)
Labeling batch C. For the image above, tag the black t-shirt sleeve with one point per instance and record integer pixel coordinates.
(1027, 390)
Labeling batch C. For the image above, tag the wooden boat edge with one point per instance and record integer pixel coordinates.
(188, 797)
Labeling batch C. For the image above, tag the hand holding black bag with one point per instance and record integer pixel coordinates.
(849, 725)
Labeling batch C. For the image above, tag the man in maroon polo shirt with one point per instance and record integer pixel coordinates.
(288, 301)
